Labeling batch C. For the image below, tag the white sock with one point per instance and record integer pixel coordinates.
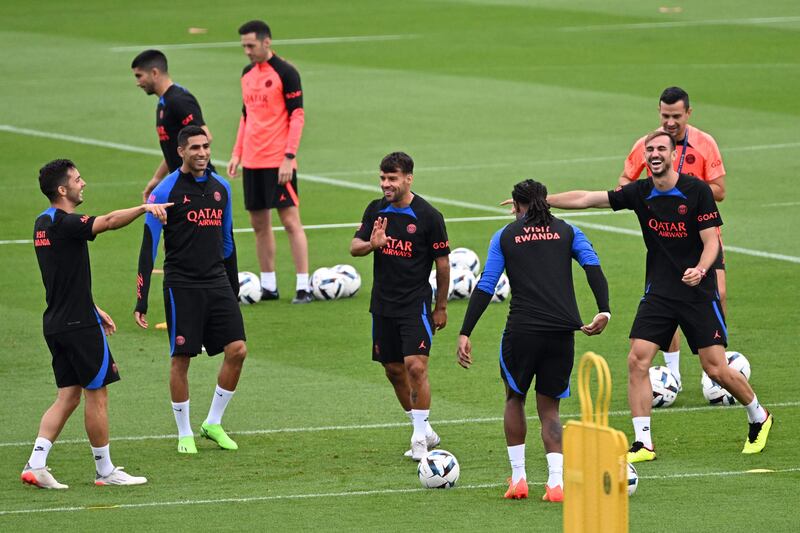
(641, 427)
(268, 281)
(302, 282)
(555, 467)
(673, 362)
(181, 412)
(218, 405)
(755, 413)
(516, 456)
(102, 460)
(419, 417)
(39, 454)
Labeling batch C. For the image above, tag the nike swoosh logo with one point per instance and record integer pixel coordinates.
(177, 410)
(218, 394)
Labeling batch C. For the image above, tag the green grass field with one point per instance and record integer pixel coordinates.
(482, 93)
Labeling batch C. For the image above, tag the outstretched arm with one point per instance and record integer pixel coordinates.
(123, 217)
(579, 199)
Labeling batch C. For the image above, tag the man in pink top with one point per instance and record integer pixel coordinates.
(697, 155)
(266, 146)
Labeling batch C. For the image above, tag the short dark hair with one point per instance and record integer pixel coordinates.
(533, 194)
(398, 162)
(187, 132)
(259, 27)
(658, 133)
(150, 59)
(53, 175)
(672, 95)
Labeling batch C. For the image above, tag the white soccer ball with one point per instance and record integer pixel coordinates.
(633, 480)
(665, 386)
(327, 284)
(502, 290)
(432, 281)
(351, 278)
(249, 288)
(713, 391)
(438, 470)
(463, 283)
(464, 258)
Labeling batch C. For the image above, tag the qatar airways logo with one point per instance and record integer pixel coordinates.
(205, 217)
(668, 230)
(255, 99)
(536, 233)
(397, 247)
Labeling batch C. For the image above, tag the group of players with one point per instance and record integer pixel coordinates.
(191, 205)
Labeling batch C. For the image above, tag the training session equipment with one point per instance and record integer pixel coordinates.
(249, 288)
(633, 479)
(463, 283)
(596, 473)
(350, 278)
(432, 281)
(713, 391)
(438, 470)
(326, 284)
(665, 386)
(502, 289)
(464, 258)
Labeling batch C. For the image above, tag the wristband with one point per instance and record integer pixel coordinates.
(606, 314)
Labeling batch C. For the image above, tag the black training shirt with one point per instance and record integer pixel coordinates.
(177, 108)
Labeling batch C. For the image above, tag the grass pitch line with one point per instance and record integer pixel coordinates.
(377, 492)
(373, 188)
(390, 425)
(279, 42)
(680, 24)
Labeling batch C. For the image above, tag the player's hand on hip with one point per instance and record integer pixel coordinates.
(108, 324)
(464, 351)
(439, 319)
(233, 166)
(285, 172)
(158, 210)
(692, 276)
(597, 326)
(141, 319)
(378, 237)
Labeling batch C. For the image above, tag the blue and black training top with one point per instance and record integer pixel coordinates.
(198, 235)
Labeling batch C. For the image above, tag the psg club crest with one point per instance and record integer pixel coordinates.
(217, 196)
(411, 228)
(179, 340)
(690, 158)
(682, 209)
(268, 83)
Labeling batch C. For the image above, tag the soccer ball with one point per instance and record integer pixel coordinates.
(327, 284)
(502, 289)
(463, 283)
(351, 279)
(665, 386)
(713, 391)
(633, 480)
(249, 288)
(432, 281)
(438, 470)
(464, 258)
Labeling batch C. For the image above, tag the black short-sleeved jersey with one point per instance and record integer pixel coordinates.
(177, 108)
(198, 235)
(60, 242)
(417, 235)
(538, 260)
(671, 222)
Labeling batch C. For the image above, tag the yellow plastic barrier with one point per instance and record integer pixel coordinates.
(595, 467)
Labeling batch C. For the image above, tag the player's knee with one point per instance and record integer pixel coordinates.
(417, 370)
(394, 373)
(637, 363)
(69, 402)
(718, 373)
(236, 352)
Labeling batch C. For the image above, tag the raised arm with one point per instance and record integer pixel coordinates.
(123, 217)
(579, 199)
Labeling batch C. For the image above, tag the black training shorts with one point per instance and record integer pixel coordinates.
(702, 323)
(547, 355)
(81, 357)
(261, 189)
(202, 317)
(394, 338)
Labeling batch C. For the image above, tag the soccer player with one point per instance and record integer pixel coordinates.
(679, 221)
(74, 327)
(266, 146)
(408, 236)
(698, 156)
(177, 108)
(536, 251)
(200, 283)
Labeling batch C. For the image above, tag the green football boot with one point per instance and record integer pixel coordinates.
(217, 434)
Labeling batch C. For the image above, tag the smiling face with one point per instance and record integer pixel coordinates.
(72, 189)
(659, 154)
(195, 154)
(396, 185)
(674, 118)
